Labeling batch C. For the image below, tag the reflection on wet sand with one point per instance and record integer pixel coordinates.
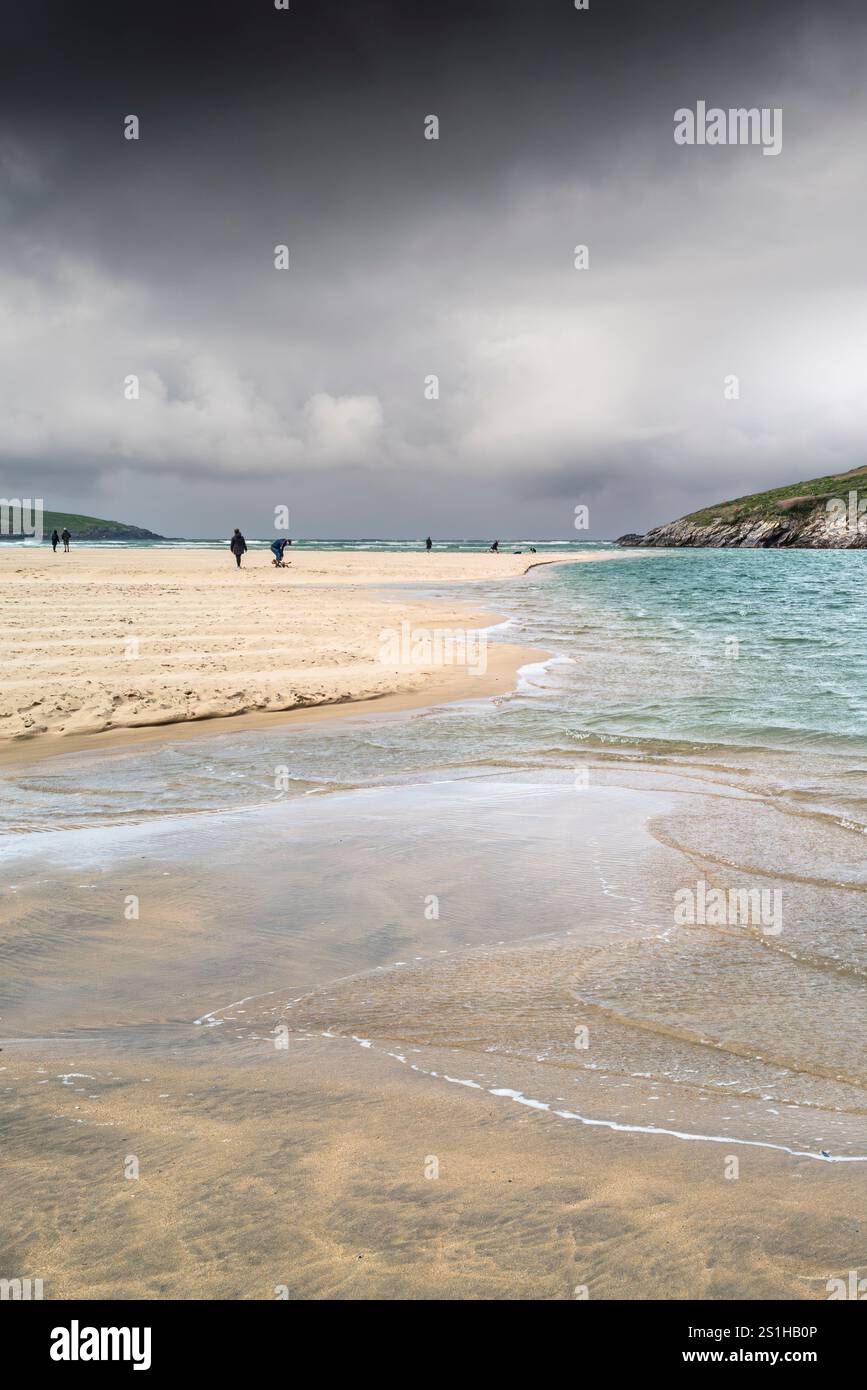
(309, 1000)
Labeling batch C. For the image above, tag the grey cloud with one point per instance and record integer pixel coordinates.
(409, 258)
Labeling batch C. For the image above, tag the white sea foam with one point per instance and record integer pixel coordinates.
(519, 1098)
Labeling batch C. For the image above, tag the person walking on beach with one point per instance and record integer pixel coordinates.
(55, 540)
(428, 545)
(278, 547)
(495, 547)
(66, 538)
(237, 545)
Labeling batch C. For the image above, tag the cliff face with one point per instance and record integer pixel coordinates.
(815, 532)
(825, 514)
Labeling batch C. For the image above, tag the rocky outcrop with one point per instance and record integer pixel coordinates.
(827, 521)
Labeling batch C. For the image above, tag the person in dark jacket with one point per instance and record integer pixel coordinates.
(277, 548)
(66, 538)
(55, 539)
(428, 545)
(237, 545)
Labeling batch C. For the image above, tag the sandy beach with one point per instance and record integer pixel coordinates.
(320, 1035)
(106, 642)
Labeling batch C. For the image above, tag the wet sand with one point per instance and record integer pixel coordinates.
(291, 1170)
(328, 1090)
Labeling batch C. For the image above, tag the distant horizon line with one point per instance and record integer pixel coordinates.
(353, 540)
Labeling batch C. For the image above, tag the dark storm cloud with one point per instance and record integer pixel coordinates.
(410, 257)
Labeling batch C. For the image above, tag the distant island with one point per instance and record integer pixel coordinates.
(87, 528)
(824, 514)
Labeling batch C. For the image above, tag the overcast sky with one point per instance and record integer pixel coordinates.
(410, 257)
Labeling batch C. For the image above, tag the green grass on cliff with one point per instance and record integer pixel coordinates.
(782, 501)
(83, 528)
